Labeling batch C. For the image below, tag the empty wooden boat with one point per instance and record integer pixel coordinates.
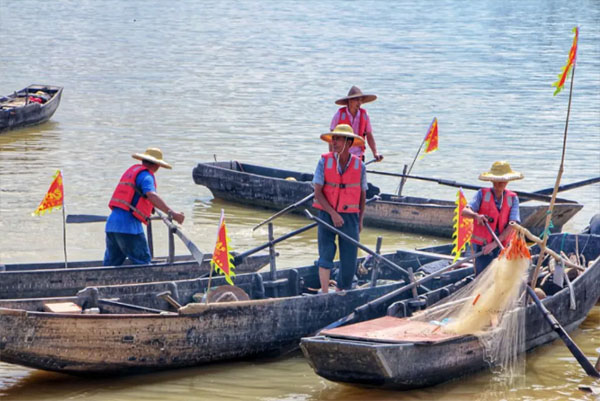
(275, 189)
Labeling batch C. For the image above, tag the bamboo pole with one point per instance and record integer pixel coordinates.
(556, 185)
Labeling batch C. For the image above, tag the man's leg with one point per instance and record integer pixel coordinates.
(348, 251)
(113, 256)
(326, 241)
(136, 248)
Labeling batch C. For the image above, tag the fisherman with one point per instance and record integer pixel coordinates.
(356, 117)
(499, 206)
(340, 183)
(132, 204)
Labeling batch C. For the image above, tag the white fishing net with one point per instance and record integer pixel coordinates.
(490, 308)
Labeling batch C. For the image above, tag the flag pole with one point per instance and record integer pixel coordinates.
(545, 233)
(64, 234)
(211, 264)
(415, 159)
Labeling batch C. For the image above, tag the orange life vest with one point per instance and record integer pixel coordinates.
(481, 235)
(341, 191)
(125, 191)
(362, 125)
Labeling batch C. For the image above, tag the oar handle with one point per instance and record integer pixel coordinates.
(356, 243)
(294, 205)
(243, 255)
(357, 313)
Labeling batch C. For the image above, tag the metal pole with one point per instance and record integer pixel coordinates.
(375, 271)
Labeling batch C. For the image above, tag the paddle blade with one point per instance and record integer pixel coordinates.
(84, 218)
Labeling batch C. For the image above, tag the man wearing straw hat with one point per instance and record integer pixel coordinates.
(132, 203)
(499, 206)
(356, 117)
(340, 183)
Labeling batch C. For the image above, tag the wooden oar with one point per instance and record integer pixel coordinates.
(294, 205)
(566, 187)
(90, 218)
(343, 235)
(196, 253)
(358, 312)
(243, 255)
(554, 323)
(521, 194)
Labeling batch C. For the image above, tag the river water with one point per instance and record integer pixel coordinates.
(255, 82)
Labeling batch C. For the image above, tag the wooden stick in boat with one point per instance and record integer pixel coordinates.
(554, 323)
(538, 241)
(294, 205)
(521, 194)
(355, 316)
(329, 227)
(241, 256)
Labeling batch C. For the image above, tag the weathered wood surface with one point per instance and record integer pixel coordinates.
(269, 188)
(14, 113)
(413, 365)
(130, 335)
(53, 279)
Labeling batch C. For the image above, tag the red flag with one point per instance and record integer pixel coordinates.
(431, 138)
(463, 227)
(222, 259)
(54, 197)
(566, 70)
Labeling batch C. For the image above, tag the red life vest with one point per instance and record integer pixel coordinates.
(481, 235)
(125, 191)
(362, 125)
(341, 191)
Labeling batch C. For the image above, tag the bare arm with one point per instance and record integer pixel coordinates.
(160, 204)
(361, 213)
(373, 146)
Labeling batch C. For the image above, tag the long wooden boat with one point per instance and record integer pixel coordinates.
(34, 104)
(134, 330)
(29, 280)
(275, 189)
(352, 355)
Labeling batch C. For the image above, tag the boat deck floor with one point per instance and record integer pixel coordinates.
(391, 329)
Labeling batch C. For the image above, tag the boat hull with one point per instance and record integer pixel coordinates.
(272, 188)
(31, 113)
(410, 365)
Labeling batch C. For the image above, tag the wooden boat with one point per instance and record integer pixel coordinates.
(275, 189)
(52, 279)
(351, 354)
(137, 331)
(32, 105)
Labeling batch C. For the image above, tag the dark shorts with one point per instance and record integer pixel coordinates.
(120, 246)
(348, 251)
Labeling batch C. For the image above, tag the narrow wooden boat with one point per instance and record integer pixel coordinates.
(52, 279)
(32, 105)
(275, 189)
(134, 330)
(362, 354)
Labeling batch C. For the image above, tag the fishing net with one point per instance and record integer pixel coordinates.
(490, 308)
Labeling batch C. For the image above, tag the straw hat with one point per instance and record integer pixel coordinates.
(343, 130)
(500, 172)
(153, 155)
(354, 93)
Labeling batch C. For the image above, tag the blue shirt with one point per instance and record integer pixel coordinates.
(123, 221)
(319, 177)
(514, 214)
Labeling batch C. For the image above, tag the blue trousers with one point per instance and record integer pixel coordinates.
(120, 246)
(348, 251)
(481, 262)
